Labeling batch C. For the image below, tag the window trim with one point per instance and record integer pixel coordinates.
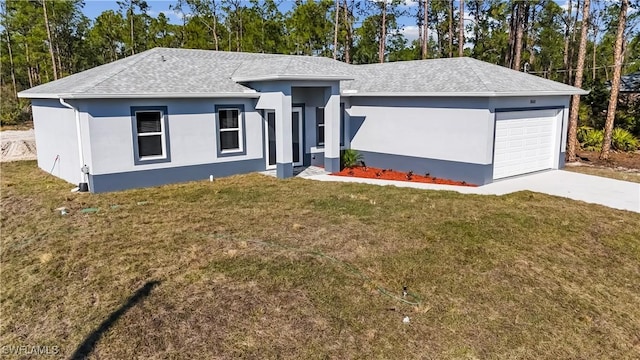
(242, 134)
(320, 125)
(164, 135)
(342, 126)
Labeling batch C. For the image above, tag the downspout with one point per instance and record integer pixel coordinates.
(83, 186)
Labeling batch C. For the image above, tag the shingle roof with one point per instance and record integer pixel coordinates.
(630, 83)
(450, 77)
(202, 73)
(283, 67)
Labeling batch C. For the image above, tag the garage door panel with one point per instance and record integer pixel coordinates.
(524, 142)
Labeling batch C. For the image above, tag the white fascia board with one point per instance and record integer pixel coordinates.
(352, 93)
(24, 95)
(142, 96)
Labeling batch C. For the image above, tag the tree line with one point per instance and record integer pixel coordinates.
(43, 40)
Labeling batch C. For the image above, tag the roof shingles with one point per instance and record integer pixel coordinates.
(183, 72)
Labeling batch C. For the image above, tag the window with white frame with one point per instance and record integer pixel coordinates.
(319, 126)
(230, 130)
(342, 122)
(150, 134)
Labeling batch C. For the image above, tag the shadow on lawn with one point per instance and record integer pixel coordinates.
(90, 342)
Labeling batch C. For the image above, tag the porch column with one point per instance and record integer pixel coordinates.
(284, 141)
(332, 129)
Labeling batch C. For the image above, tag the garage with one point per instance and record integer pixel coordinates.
(525, 142)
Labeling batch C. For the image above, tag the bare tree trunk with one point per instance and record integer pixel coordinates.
(615, 82)
(595, 47)
(383, 32)
(29, 73)
(13, 70)
(420, 23)
(335, 31)
(347, 22)
(46, 24)
(461, 30)
(349, 36)
(572, 140)
(59, 60)
(237, 40)
(215, 25)
(425, 30)
(133, 43)
(573, 40)
(450, 28)
(508, 57)
(519, 34)
(567, 35)
(240, 30)
(476, 26)
(37, 76)
(529, 39)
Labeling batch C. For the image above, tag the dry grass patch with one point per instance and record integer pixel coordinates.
(244, 267)
(606, 172)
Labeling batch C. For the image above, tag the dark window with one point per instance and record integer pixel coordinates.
(342, 124)
(320, 126)
(150, 134)
(229, 129)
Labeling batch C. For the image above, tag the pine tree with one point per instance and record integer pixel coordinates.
(575, 99)
(615, 82)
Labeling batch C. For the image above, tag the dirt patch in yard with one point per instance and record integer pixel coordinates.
(18, 145)
(626, 160)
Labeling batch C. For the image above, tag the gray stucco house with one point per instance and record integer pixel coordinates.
(171, 115)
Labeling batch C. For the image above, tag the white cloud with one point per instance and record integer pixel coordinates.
(170, 14)
(411, 32)
(410, 3)
(565, 5)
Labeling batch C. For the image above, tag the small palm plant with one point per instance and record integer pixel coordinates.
(623, 140)
(351, 158)
(590, 139)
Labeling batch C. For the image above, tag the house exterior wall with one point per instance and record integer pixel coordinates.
(193, 143)
(312, 98)
(445, 137)
(55, 132)
(310, 95)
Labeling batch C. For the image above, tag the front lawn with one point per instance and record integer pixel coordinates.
(258, 267)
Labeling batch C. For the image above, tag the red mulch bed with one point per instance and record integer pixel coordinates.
(389, 174)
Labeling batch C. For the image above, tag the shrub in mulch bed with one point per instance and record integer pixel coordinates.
(389, 174)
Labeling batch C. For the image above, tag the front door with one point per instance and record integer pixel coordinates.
(296, 137)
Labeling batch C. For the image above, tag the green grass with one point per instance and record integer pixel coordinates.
(606, 172)
(245, 268)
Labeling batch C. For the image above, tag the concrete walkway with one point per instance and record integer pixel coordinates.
(300, 171)
(592, 189)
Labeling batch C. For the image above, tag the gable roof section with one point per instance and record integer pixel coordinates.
(156, 72)
(460, 77)
(166, 72)
(292, 67)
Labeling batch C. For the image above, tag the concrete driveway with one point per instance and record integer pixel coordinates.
(588, 188)
(613, 193)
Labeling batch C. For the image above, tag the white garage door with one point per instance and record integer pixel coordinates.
(525, 142)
